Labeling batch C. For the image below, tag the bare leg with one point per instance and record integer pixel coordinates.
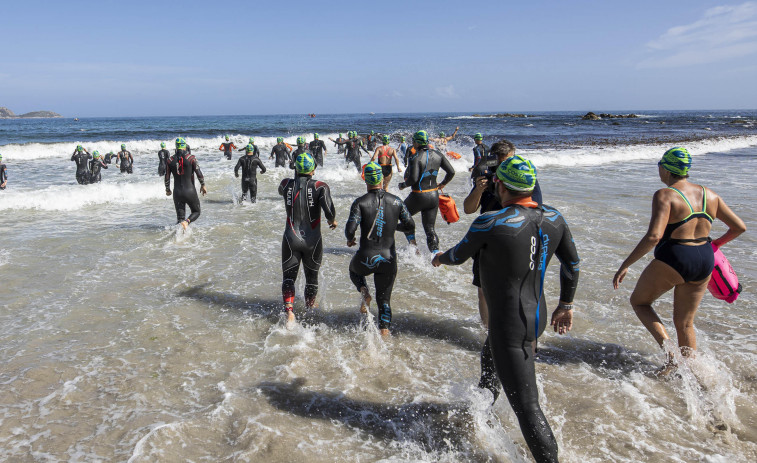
(366, 300)
(385, 333)
(290, 314)
(657, 279)
(686, 299)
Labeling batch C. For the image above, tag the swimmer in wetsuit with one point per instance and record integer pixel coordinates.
(304, 199)
(371, 141)
(683, 256)
(227, 148)
(301, 148)
(163, 156)
(125, 159)
(385, 154)
(353, 145)
(378, 214)
(422, 169)
(480, 151)
(282, 153)
(317, 149)
(255, 150)
(404, 150)
(94, 168)
(339, 143)
(110, 157)
(249, 164)
(81, 157)
(483, 197)
(3, 174)
(442, 140)
(516, 245)
(183, 166)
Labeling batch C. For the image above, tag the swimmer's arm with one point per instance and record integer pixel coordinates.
(473, 200)
(736, 226)
(464, 250)
(375, 153)
(567, 254)
(167, 178)
(407, 224)
(451, 137)
(327, 205)
(262, 166)
(447, 167)
(196, 167)
(397, 161)
(352, 222)
(236, 168)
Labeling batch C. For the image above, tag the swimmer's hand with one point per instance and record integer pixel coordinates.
(236, 174)
(351, 243)
(402, 186)
(619, 275)
(481, 183)
(168, 192)
(562, 320)
(332, 225)
(435, 261)
(203, 190)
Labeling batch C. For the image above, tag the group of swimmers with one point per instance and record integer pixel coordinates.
(89, 166)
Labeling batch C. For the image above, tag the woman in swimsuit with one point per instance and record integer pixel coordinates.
(385, 153)
(678, 231)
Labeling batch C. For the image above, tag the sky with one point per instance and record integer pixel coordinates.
(220, 57)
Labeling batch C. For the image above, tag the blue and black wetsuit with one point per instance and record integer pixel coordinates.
(3, 175)
(184, 166)
(517, 244)
(403, 148)
(281, 152)
(354, 145)
(94, 167)
(378, 214)
(423, 167)
(82, 166)
(249, 164)
(317, 147)
(163, 156)
(479, 152)
(304, 199)
(693, 263)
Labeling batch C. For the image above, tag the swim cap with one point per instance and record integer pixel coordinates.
(279, 139)
(517, 173)
(79, 148)
(677, 161)
(478, 136)
(385, 139)
(300, 140)
(96, 154)
(1, 156)
(123, 146)
(441, 134)
(304, 163)
(252, 140)
(421, 137)
(373, 174)
(249, 148)
(340, 135)
(181, 143)
(227, 138)
(403, 138)
(372, 132)
(162, 144)
(315, 135)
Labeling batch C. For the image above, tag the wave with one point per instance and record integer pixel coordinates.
(74, 197)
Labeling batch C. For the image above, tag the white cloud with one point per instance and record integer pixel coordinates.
(447, 92)
(723, 33)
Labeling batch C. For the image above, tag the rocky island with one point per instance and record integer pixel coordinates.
(590, 116)
(6, 113)
(500, 115)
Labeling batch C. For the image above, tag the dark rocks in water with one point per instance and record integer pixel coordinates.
(500, 115)
(6, 113)
(739, 121)
(590, 116)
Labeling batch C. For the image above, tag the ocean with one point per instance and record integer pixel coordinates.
(124, 339)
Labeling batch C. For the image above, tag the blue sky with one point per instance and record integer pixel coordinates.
(117, 58)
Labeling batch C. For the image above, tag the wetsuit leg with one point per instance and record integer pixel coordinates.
(356, 161)
(384, 281)
(130, 170)
(428, 218)
(162, 169)
(290, 266)
(311, 261)
(358, 280)
(489, 378)
(245, 188)
(319, 160)
(181, 207)
(193, 201)
(254, 190)
(515, 368)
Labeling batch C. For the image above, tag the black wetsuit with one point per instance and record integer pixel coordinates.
(249, 164)
(304, 199)
(297, 152)
(378, 214)
(422, 168)
(340, 145)
(516, 245)
(228, 149)
(109, 158)
(183, 166)
(3, 175)
(82, 166)
(94, 167)
(479, 152)
(352, 153)
(163, 156)
(317, 147)
(126, 161)
(281, 152)
(371, 142)
(405, 150)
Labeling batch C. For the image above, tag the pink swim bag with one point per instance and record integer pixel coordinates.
(724, 284)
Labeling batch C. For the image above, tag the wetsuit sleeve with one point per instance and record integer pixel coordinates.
(326, 203)
(167, 178)
(471, 243)
(447, 167)
(568, 256)
(196, 167)
(407, 224)
(536, 195)
(262, 166)
(282, 186)
(412, 173)
(255, 152)
(354, 221)
(236, 168)
(73, 156)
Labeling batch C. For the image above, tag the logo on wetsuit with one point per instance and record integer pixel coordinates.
(380, 222)
(289, 196)
(311, 203)
(533, 253)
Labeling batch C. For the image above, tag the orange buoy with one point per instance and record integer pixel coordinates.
(453, 155)
(448, 208)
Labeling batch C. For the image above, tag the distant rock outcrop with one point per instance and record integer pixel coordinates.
(590, 116)
(6, 113)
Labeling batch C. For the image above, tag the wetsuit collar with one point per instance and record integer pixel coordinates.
(525, 202)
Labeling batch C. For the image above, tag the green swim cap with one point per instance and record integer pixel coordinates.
(517, 173)
(403, 138)
(372, 132)
(385, 139)
(340, 135)
(441, 134)
(677, 161)
(96, 154)
(181, 144)
(315, 135)
(478, 136)
(304, 163)
(300, 140)
(421, 137)
(123, 146)
(79, 148)
(252, 140)
(373, 174)
(249, 148)
(111, 152)
(227, 138)
(279, 139)
(162, 144)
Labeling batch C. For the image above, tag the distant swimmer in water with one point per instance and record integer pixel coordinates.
(227, 148)
(282, 153)
(304, 199)
(422, 168)
(317, 149)
(442, 140)
(340, 144)
(95, 165)
(378, 214)
(371, 141)
(184, 166)
(81, 157)
(110, 157)
(125, 159)
(683, 256)
(480, 151)
(3, 174)
(249, 164)
(255, 150)
(354, 145)
(163, 156)
(404, 150)
(516, 244)
(385, 154)
(302, 147)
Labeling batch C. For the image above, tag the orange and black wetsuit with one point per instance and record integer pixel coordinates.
(227, 149)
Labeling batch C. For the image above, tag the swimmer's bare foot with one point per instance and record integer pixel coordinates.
(366, 300)
(184, 224)
(290, 316)
(385, 333)
(668, 369)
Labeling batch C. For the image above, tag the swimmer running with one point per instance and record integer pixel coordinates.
(385, 153)
(249, 164)
(183, 166)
